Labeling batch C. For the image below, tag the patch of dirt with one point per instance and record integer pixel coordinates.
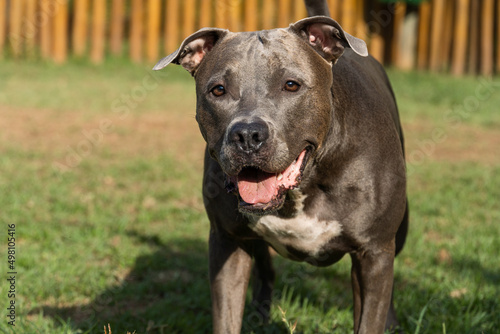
(426, 141)
(55, 133)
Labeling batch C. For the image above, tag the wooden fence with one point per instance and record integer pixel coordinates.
(460, 36)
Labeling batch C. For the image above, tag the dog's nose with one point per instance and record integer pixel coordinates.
(249, 137)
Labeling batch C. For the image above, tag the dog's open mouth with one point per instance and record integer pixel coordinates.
(260, 192)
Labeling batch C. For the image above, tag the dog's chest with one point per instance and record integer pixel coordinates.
(301, 234)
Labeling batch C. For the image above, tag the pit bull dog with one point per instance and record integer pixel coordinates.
(305, 154)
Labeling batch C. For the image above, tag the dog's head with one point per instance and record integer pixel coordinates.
(264, 102)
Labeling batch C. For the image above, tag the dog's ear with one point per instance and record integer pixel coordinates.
(193, 49)
(327, 37)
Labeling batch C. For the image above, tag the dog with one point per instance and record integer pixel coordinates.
(305, 154)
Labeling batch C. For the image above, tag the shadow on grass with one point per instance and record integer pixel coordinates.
(168, 292)
(474, 267)
(165, 292)
(435, 308)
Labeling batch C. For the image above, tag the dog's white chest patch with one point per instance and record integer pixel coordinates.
(305, 234)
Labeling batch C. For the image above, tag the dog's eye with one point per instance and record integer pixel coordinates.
(291, 86)
(218, 90)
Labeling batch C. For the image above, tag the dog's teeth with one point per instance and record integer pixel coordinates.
(280, 176)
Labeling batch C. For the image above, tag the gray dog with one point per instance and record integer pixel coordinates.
(304, 154)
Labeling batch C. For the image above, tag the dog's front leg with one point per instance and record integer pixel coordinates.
(230, 268)
(372, 279)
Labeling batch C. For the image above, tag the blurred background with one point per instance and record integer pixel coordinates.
(440, 35)
(101, 166)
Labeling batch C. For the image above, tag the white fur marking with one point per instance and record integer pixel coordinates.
(304, 233)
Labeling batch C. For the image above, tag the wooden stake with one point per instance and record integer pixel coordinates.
(498, 37)
(60, 32)
(15, 34)
(408, 42)
(447, 33)
(283, 13)
(189, 11)
(334, 7)
(460, 37)
(474, 37)
(399, 17)
(221, 13)
(361, 31)
(3, 8)
(153, 32)
(136, 31)
(437, 35)
(376, 43)
(235, 9)
(268, 14)
(487, 41)
(45, 7)
(348, 16)
(205, 14)
(172, 26)
(299, 10)
(98, 31)
(423, 35)
(116, 28)
(250, 15)
(30, 27)
(80, 26)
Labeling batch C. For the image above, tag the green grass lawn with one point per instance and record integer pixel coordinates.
(100, 171)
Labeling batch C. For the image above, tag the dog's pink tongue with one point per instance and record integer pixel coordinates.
(256, 186)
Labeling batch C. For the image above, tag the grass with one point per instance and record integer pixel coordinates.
(445, 100)
(111, 229)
